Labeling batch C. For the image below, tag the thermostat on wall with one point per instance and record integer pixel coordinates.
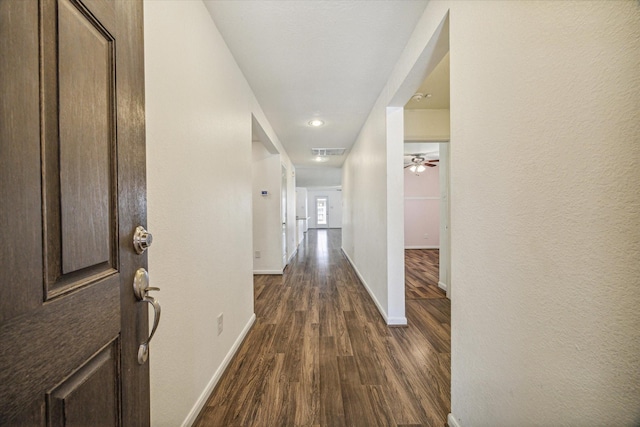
(264, 193)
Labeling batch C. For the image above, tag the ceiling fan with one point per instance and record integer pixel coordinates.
(419, 163)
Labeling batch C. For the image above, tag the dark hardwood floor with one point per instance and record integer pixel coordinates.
(320, 354)
(422, 274)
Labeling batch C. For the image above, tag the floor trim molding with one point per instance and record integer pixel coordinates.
(443, 286)
(292, 256)
(451, 420)
(373, 297)
(422, 247)
(273, 272)
(204, 396)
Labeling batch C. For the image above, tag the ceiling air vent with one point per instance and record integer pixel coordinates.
(328, 151)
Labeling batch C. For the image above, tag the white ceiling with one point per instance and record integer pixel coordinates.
(316, 59)
(429, 150)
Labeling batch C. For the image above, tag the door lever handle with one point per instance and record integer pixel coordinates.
(141, 290)
(143, 350)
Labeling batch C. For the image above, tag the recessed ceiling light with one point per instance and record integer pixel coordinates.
(321, 159)
(316, 123)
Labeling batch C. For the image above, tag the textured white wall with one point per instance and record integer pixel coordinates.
(198, 108)
(545, 213)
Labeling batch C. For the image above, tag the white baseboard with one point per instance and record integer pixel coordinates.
(442, 286)
(204, 396)
(276, 272)
(292, 255)
(396, 321)
(391, 321)
(451, 420)
(422, 247)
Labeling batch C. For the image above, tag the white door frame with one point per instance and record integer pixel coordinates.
(326, 212)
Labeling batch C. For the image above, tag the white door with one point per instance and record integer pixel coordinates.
(322, 212)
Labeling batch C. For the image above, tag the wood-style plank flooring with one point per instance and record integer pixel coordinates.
(320, 354)
(422, 274)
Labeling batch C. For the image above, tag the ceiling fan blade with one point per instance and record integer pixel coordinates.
(408, 166)
(430, 165)
(433, 161)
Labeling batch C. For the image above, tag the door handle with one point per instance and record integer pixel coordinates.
(141, 290)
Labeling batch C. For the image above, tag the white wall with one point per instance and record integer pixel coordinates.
(545, 146)
(267, 223)
(198, 112)
(292, 223)
(335, 206)
(318, 177)
(302, 210)
(422, 209)
(546, 256)
(373, 191)
(444, 263)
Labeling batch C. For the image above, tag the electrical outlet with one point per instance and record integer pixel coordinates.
(257, 254)
(220, 323)
(426, 236)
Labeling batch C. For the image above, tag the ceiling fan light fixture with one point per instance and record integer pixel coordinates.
(413, 168)
(316, 123)
(420, 168)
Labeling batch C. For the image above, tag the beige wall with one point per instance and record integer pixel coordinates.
(426, 125)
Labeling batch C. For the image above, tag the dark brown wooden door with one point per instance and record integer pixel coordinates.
(72, 191)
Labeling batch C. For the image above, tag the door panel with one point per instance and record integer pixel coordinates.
(72, 186)
(91, 386)
(50, 343)
(19, 162)
(79, 148)
(86, 124)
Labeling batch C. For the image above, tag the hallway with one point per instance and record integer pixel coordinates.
(319, 353)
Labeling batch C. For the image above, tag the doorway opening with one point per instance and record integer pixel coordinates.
(430, 124)
(322, 212)
(426, 188)
(283, 212)
(269, 209)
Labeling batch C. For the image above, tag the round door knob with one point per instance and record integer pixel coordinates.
(142, 239)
